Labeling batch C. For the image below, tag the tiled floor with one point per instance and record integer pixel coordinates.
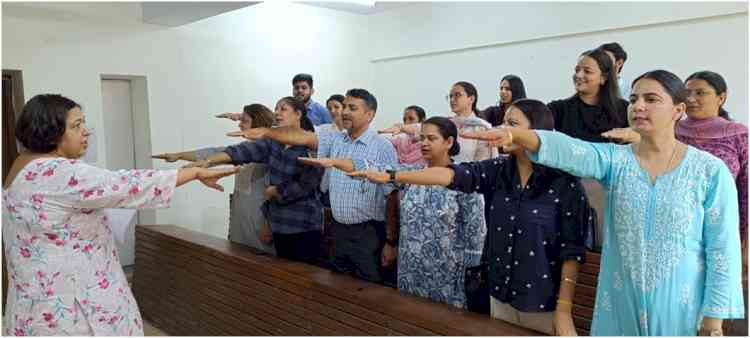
(148, 328)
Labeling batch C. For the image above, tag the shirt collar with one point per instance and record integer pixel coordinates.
(365, 138)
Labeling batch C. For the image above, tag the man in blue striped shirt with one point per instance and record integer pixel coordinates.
(362, 244)
(302, 89)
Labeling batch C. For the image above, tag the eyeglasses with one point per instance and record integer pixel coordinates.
(455, 95)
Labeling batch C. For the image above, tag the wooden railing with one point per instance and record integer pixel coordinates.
(188, 283)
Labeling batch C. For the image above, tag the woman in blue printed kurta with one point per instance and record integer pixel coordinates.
(442, 231)
(671, 255)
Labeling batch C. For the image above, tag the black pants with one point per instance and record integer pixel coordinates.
(357, 249)
(301, 247)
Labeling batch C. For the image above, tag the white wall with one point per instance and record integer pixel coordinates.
(421, 50)
(193, 72)
(407, 55)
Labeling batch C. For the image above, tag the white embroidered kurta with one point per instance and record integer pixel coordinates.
(64, 272)
(671, 251)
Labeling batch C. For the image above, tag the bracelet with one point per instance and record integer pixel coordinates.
(566, 279)
(510, 137)
(563, 301)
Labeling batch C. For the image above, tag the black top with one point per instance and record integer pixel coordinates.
(531, 230)
(494, 114)
(586, 122)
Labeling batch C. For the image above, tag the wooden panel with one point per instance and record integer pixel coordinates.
(191, 283)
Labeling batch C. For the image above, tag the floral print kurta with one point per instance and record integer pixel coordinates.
(442, 233)
(64, 272)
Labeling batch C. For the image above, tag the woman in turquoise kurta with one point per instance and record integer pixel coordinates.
(671, 254)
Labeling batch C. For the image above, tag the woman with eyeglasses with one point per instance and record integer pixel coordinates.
(463, 102)
(671, 260)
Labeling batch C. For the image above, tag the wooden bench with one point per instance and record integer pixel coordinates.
(188, 283)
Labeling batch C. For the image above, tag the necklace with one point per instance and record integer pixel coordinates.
(671, 158)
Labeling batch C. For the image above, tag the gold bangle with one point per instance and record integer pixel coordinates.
(566, 279)
(510, 136)
(562, 301)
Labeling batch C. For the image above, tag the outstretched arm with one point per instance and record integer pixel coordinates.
(429, 176)
(286, 135)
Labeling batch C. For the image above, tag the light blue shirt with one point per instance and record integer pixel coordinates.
(624, 88)
(318, 113)
(671, 252)
(357, 200)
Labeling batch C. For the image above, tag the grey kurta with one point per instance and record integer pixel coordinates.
(245, 216)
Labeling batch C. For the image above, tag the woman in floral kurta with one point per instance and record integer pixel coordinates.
(442, 231)
(671, 255)
(64, 272)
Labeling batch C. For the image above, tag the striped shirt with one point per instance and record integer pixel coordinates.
(357, 200)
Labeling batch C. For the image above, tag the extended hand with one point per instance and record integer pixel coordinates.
(498, 137)
(210, 177)
(318, 162)
(169, 157)
(395, 129)
(234, 116)
(250, 134)
(374, 176)
(622, 135)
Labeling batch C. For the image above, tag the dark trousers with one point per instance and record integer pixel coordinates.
(301, 247)
(357, 249)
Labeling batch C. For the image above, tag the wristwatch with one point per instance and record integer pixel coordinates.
(392, 176)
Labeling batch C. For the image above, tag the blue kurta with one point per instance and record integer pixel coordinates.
(671, 252)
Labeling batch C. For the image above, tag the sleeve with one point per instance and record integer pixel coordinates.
(478, 177)
(249, 151)
(723, 289)
(325, 143)
(576, 220)
(574, 156)
(324, 116)
(305, 185)
(203, 153)
(742, 184)
(473, 227)
(90, 187)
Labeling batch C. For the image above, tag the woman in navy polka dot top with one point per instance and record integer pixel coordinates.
(538, 219)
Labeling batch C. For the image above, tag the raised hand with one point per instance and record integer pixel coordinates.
(210, 177)
(373, 176)
(169, 157)
(318, 162)
(250, 134)
(622, 135)
(234, 116)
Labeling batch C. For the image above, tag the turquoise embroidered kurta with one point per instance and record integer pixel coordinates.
(671, 252)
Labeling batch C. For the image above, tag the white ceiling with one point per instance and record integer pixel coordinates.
(170, 14)
(358, 7)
